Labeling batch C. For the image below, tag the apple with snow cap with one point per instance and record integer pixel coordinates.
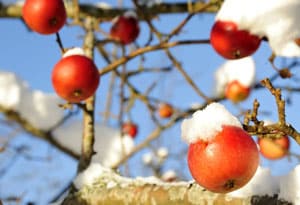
(130, 128)
(125, 28)
(75, 77)
(235, 79)
(231, 42)
(222, 157)
(236, 92)
(244, 23)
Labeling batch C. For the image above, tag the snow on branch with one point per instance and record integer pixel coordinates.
(99, 185)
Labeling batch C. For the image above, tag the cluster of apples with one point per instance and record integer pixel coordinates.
(75, 77)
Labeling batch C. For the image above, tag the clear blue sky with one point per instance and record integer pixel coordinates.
(32, 57)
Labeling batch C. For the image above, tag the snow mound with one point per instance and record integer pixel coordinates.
(206, 123)
(290, 186)
(89, 175)
(262, 183)
(109, 146)
(38, 108)
(242, 70)
(278, 21)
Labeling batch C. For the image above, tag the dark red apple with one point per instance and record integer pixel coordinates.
(231, 42)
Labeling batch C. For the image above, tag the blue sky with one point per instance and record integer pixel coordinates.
(32, 57)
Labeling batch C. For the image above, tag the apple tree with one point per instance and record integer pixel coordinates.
(176, 90)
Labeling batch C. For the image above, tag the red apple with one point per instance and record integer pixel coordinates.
(75, 78)
(274, 148)
(226, 162)
(130, 129)
(236, 92)
(44, 16)
(125, 29)
(232, 43)
(165, 110)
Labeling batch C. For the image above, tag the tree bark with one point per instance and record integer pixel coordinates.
(112, 189)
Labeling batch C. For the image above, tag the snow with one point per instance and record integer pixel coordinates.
(12, 90)
(149, 3)
(206, 123)
(278, 21)
(147, 158)
(74, 51)
(103, 5)
(290, 186)
(169, 175)
(108, 142)
(242, 70)
(162, 152)
(42, 109)
(129, 14)
(262, 183)
(88, 176)
(38, 108)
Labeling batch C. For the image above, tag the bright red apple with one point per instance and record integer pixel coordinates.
(130, 129)
(75, 78)
(165, 110)
(44, 16)
(274, 148)
(125, 29)
(232, 43)
(226, 162)
(236, 92)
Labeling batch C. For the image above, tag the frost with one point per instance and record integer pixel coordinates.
(242, 70)
(206, 123)
(290, 186)
(278, 21)
(262, 183)
(110, 147)
(74, 51)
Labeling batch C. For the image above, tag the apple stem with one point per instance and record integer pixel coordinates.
(59, 41)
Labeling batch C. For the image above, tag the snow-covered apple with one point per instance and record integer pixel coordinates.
(226, 162)
(222, 157)
(44, 16)
(236, 92)
(165, 110)
(130, 129)
(75, 78)
(231, 42)
(274, 148)
(125, 28)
